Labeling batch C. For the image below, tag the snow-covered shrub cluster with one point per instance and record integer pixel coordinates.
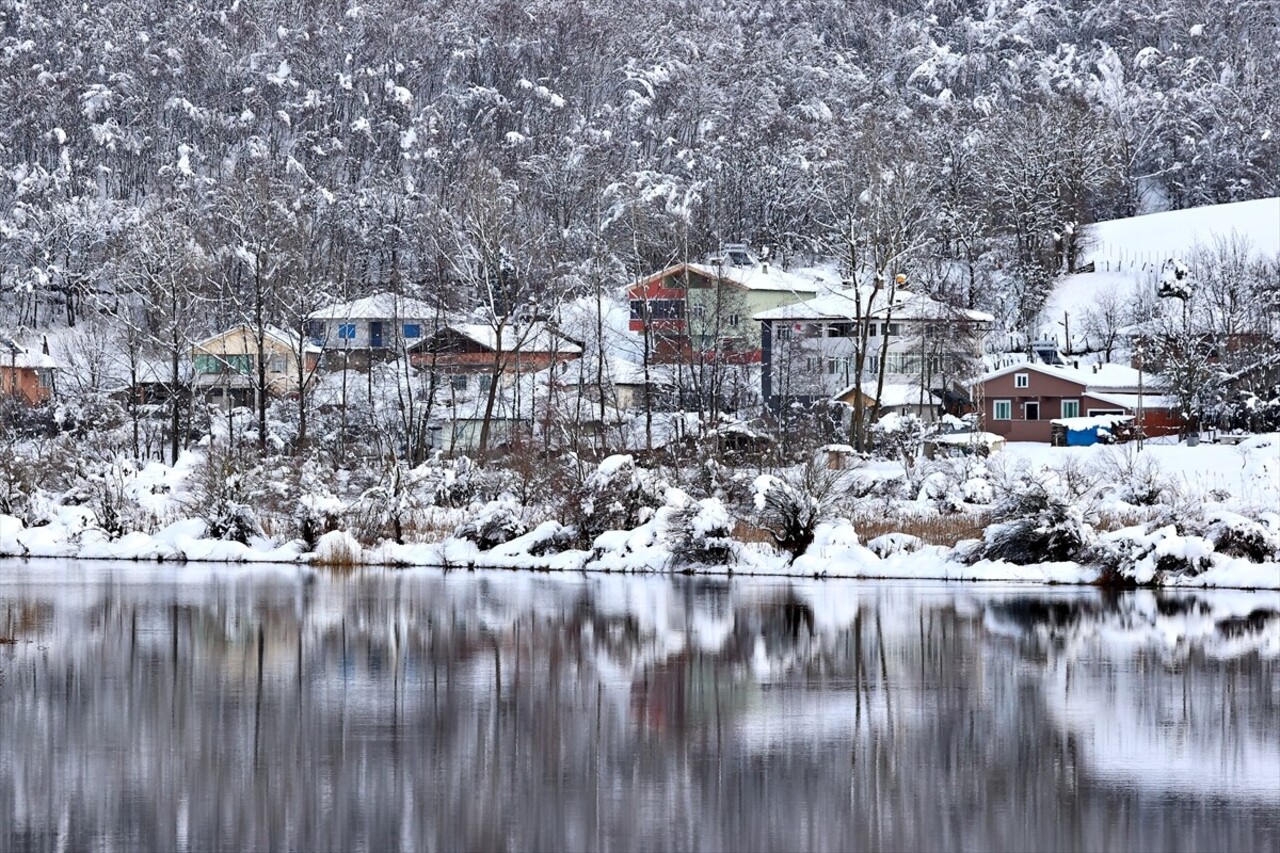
(617, 495)
(1174, 550)
(791, 508)
(224, 490)
(699, 532)
(1037, 520)
(494, 524)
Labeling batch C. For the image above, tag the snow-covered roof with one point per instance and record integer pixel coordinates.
(275, 334)
(617, 370)
(757, 276)
(13, 354)
(377, 306)
(1099, 378)
(1134, 402)
(895, 394)
(1108, 421)
(760, 276)
(848, 303)
(524, 337)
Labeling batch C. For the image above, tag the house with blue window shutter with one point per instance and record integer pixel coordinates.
(373, 328)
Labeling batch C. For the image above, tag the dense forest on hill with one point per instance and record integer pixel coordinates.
(276, 153)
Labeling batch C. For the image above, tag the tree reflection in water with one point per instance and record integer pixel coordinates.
(176, 708)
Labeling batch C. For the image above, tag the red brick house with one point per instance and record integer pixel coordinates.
(25, 375)
(1019, 402)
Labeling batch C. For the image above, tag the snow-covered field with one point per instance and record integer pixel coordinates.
(1129, 255)
(1205, 490)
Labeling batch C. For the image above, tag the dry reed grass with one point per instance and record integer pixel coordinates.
(932, 529)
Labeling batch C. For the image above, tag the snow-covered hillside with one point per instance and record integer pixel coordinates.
(1128, 255)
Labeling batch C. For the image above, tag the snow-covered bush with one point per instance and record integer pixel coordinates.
(394, 505)
(461, 482)
(317, 509)
(1132, 477)
(494, 524)
(1036, 521)
(617, 495)
(699, 532)
(225, 488)
(791, 509)
(316, 514)
(104, 488)
(1237, 536)
(898, 437)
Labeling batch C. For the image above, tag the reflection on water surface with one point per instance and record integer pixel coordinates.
(183, 708)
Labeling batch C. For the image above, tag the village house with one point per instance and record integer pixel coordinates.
(226, 365)
(703, 310)
(896, 398)
(373, 328)
(810, 349)
(24, 375)
(1020, 401)
(471, 355)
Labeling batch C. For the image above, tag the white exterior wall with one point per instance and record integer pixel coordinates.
(392, 334)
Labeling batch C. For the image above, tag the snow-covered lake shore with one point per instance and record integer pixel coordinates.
(1213, 524)
(836, 553)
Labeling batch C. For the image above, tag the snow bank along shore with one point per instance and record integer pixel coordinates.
(1179, 517)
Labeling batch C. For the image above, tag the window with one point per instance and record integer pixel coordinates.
(486, 382)
(810, 364)
(413, 330)
(1032, 411)
(347, 331)
(208, 364)
(1021, 380)
(873, 330)
(783, 333)
(833, 365)
(458, 383)
(277, 364)
(840, 330)
(1071, 408)
(1003, 410)
(892, 329)
(315, 331)
(734, 319)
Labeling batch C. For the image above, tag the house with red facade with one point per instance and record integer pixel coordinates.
(704, 311)
(1019, 402)
(25, 375)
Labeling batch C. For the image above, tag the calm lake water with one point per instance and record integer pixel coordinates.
(184, 708)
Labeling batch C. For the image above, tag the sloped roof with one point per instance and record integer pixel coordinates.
(758, 277)
(525, 338)
(13, 354)
(377, 306)
(894, 394)
(1097, 378)
(851, 302)
(281, 337)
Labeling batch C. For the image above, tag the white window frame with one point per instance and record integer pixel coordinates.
(996, 406)
(1022, 380)
(1066, 403)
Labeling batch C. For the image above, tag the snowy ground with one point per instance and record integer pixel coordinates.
(1229, 481)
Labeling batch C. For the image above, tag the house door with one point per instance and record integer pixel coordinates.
(1033, 411)
(375, 334)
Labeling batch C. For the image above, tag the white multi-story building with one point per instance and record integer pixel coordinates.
(811, 350)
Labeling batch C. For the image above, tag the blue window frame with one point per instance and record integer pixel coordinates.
(347, 331)
(412, 330)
